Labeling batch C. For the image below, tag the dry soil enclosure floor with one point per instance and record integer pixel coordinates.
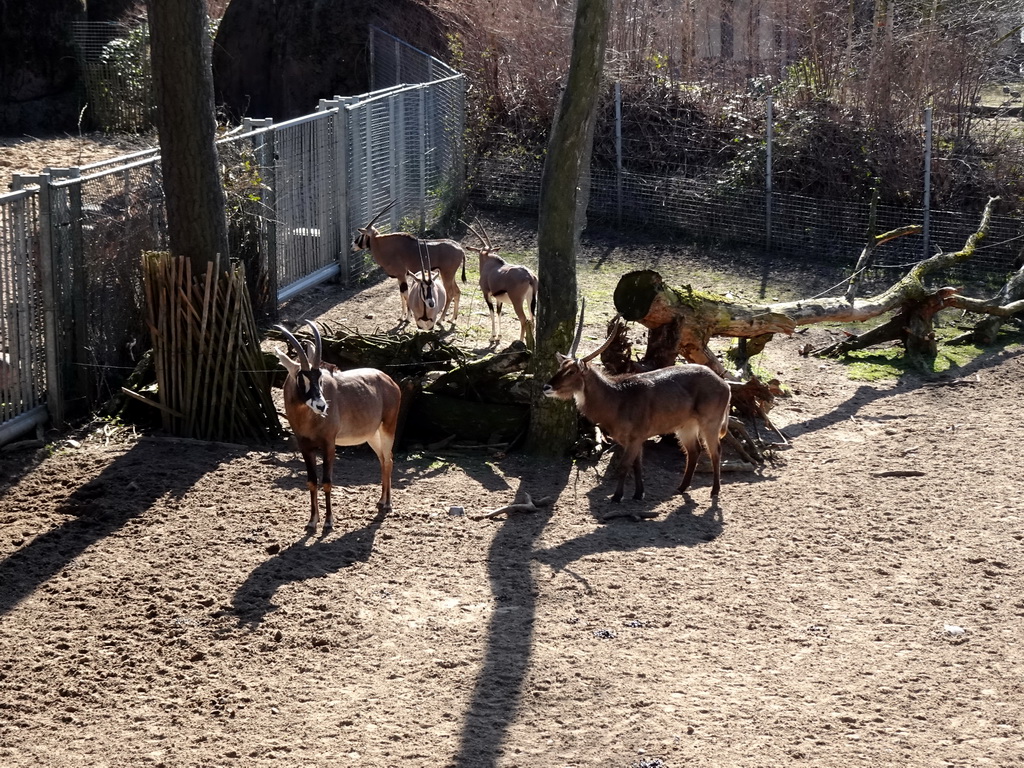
(160, 604)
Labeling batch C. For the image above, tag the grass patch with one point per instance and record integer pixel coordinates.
(875, 364)
(890, 363)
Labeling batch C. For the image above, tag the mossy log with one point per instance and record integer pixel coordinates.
(683, 320)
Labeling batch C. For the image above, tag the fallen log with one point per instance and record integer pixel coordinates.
(694, 317)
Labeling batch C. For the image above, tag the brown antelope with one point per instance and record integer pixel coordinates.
(504, 282)
(426, 297)
(690, 401)
(400, 253)
(327, 407)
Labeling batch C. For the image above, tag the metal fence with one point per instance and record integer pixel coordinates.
(693, 192)
(22, 318)
(72, 313)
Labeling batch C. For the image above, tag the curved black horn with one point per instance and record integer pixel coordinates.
(579, 329)
(303, 360)
(318, 348)
(479, 237)
(487, 237)
(381, 212)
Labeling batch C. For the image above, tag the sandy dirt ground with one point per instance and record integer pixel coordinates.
(859, 601)
(31, 154)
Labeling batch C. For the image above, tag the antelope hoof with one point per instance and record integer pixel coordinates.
(382, 507)
(311, 528)
(328, 527)
(616, 497)
(638, 496)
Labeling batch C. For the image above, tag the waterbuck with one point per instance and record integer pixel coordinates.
(690, 401)
(327, 407)
(400, 253)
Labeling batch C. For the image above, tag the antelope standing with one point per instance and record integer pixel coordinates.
(327, 407)
(426, 297)
(690, 401)
(502, 282)
(400, 253)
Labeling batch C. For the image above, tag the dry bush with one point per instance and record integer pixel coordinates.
(851, 82)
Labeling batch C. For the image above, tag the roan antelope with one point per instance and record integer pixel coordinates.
(327, 407)
(690, 401)
(503, 282)
(400, 253)
(426, 298)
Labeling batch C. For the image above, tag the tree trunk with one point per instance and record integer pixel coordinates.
(985, 331)
(685, 320)
(553, 422)
(183, 85)
(205, 341)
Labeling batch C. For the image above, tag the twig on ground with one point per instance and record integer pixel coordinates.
(528, 505)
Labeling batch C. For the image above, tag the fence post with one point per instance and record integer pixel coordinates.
(926, 203)
(344, 161)
(80, 309)
(394, 178)
(618, 152)
(48, 277)
(769, 133)
(422, 153)
(373, 59)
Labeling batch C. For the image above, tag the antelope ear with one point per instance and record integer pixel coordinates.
(562, 358)
(286, 361)
(410, 273)
(435, 272)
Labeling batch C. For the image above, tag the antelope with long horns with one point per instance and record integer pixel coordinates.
(400, 253)
(690, 401)
(327, 407)
(501, 282)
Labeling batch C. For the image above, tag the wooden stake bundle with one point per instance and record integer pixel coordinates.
(209, 368)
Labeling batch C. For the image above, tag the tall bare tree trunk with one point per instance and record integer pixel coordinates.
(553, 422)
(183, 83)
(206, 345)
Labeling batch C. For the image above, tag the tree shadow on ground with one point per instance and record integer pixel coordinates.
(122, 492)
(867, 394)
(498, 691)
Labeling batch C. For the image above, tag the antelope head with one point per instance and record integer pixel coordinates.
(567, 382)
(307, 372)
(485, 241)
(365, 234)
